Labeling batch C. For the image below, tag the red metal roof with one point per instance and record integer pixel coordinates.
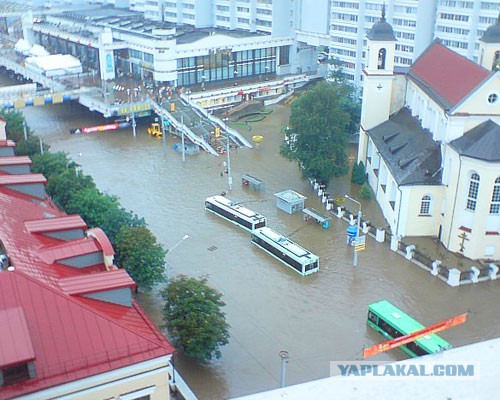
(55, 224)
(7, 143)
(103, 240)
(448, 75)
(15, 160)
(71, 340)
(72, 337)
(68, 249)
(22, 179)
(15, 343)
(97, 282)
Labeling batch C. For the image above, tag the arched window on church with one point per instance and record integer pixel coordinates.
(381, 59)
(425, 205)
(473, 192)
(496, 62)
(495, 198)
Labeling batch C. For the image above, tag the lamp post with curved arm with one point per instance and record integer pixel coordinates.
(355, 259)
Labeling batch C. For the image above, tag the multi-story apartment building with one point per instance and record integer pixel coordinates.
(339, 25)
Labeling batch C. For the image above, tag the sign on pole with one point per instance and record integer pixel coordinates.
(360, 243)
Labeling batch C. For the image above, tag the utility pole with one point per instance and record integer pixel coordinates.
(355, 257)
(182, 139)
(284, 360)
(229, 177)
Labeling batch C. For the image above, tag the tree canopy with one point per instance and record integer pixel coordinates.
(15, 131)
(194, 318)
(321, 121)
(141, 255)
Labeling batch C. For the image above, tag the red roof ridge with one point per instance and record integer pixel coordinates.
(57, 223)
(96, 282)
(15, 160)
(100, 236)
(92, 310)
(22, 179)
(76, 247)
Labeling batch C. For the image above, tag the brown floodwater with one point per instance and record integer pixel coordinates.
(317, 319)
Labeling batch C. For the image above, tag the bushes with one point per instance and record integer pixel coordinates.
(358, 173)
(365, 192)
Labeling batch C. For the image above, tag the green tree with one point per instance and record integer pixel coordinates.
(100, 210)
(15, 131)
(66, 186)
(322, 120)
(139, 253)
(358, 173)
(365, 192)
(194, 318)
(49, 163)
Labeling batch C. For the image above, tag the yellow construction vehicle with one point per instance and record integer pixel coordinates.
(155, 130)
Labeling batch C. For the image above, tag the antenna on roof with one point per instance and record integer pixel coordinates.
(383, 13)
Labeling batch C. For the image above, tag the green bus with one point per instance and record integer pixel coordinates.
(391, 322)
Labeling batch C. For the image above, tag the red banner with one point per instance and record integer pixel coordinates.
(400, 341)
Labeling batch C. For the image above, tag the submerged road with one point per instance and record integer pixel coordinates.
(317, 319)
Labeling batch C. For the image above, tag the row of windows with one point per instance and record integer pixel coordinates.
(474, 190)
(459, 4)
(402, 60)
(405, 9)
(454, 17)
(343, 40)
(343, 28)
(345, 17)
(405, 35)
(243, 9)
(261, 22)
(404, 47)
(264, 12)
(342, 52)
(455, 43)
(140, 55)
(345, 4)
(488, 5)
(404, 22)
(456, 31)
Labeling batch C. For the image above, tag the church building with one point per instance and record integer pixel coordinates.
(430, 141)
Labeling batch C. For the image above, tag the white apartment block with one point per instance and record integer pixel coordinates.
(339, 25)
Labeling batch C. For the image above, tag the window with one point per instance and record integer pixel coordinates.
(381, 59)
(425, 205)
(473, 191)
(495, 198)
(15, 374)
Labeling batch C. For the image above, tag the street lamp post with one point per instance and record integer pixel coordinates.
(284, 360)
(172, 249)
(229, 177)
(355, 259)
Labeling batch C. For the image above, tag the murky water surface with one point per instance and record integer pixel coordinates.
(317, 319)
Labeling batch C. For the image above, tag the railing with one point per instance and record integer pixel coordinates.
(183, 128)
(232, 132)
(451, 275)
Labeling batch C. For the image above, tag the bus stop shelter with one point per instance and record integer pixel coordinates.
(312, 214)
(252, 182)
(290, 201)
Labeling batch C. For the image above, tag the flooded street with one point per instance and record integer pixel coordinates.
(317, 319)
